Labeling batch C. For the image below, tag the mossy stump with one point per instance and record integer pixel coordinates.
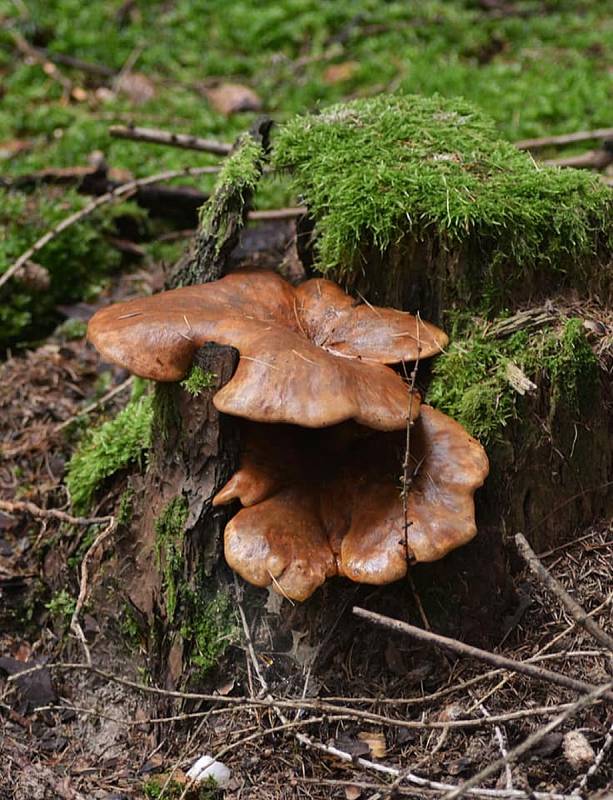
(417, 203)
(413, 203)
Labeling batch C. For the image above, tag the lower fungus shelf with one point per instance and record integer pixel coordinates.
(325, 503)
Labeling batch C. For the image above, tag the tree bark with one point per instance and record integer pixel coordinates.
(175, 543)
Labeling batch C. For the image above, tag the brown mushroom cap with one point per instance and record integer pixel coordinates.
(317, 507)
(309, 355)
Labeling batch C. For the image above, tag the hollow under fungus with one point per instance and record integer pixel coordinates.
(309, 355)
(322, 504)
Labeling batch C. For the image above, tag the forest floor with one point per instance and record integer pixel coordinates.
(538, 69)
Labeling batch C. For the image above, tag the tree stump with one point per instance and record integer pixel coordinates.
(549, 466)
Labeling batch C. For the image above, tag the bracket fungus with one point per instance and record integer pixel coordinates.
(309, 355)
(315, 506)
(316, 503)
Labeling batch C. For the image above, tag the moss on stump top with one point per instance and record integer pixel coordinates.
(374, 172)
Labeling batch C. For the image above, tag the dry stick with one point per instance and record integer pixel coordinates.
(410, 791)
(314, 744)
(407, 479)
(291, 704)
(74, 622)
(182, 140)
(93, 406)
(20, 506)
(541, 653)
(531, 741)
(608, 742)
(574, 609)
(593, 159)
(278, 213)
(502, 746)
(483, 655)
(122, 191)
(565, 138)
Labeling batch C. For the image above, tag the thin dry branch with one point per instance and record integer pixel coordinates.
(593, 159)
(75, 626)
(23, 507)
(531, 741)
(564, 138)
(98, 404)
(123, 191)
(574, 609)
(182, 140)
(474, 652)
(312, 704)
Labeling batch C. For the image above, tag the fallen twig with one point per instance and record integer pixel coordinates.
(483, 655)
(564, 138)
(93, 406)
(47, 66)
(593, 159)
(313, 704)
(574, 609)
(21, 506)
(75, 626)
(182, 140)
(531, 741)
(122, 191)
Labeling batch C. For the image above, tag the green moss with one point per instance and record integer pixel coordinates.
(209, 629)
(113, 446)
(78, 261)
(125, 509)
(235, 183)
(373, 171)
(207, 622)
(169, 533)
(198, 381)
(165, 413)
(572, 367)
(71, 329)
(469, 380)
(62, 606)
(130, 627)
(156, 787)
(543, 70)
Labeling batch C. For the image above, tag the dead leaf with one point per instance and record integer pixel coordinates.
(578, 751)
(35, 687)
(225, 688)
(13, 148)
(301, 651)
(376, 743)
(547, 746)
(79, 94)
(337, 73)
(352, 746)
(33, 276)
(232, 98)
(460, 766)
(352, 793)
(450, 712)
(274, 601)
(137, 87)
